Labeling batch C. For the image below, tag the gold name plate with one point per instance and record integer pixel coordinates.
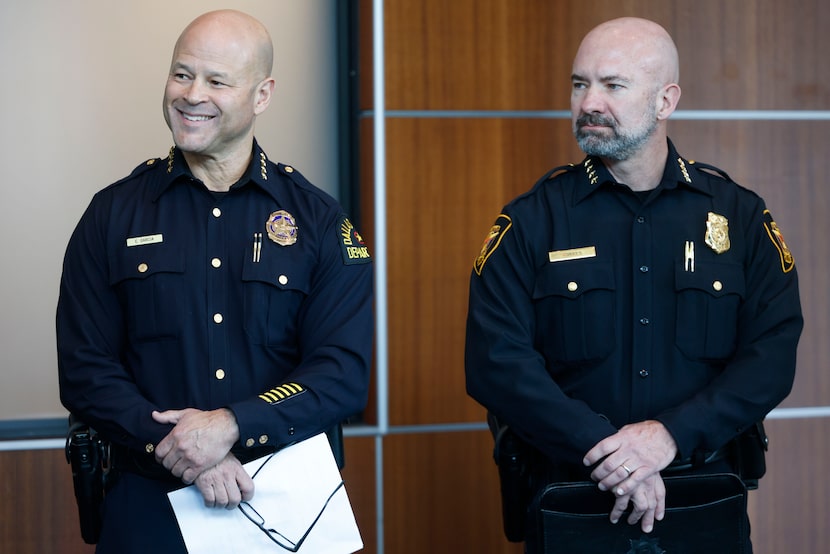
(572, 254)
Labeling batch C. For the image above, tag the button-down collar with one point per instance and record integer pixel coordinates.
(678, 171)
(259, 171)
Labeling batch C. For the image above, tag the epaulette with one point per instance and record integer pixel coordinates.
(711, 170)
(141, 168)
(557, 171)
(292, 174)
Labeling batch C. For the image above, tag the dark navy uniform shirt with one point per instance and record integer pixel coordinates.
(592, 306)
(175, 297)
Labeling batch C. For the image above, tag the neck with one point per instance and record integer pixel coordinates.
(643, 171)
(219, 173)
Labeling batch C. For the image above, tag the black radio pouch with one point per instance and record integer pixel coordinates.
(86, 453)
(750, 448)
(512, 457)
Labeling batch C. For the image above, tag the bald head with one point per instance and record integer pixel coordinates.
(233, 30)
(634, 42)
(625, 88)
(219, 83)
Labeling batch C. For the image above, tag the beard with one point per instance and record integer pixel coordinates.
(620, 145)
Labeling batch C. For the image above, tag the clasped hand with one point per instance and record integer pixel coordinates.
(197, 451)
(628, 465)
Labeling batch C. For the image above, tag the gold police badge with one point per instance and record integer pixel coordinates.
(282, 228)
(717, 233)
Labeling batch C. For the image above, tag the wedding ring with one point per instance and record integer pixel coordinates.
(628, 471)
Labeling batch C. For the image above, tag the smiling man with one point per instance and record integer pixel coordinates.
(211, 306)
(635, 315)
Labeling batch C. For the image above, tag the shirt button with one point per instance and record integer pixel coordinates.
(289, 169)
(643, 269)
(250, 442)
(643, 373)
(216, 262)
(149, 448)
(644, 321)
(641, 219)
(220, 374)
(282, 279)
(217, 318)
(142, 268)
(263, 439)
(572, 286)
(717, 285)
(217, 212)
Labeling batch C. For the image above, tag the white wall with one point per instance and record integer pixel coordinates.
(80, 107)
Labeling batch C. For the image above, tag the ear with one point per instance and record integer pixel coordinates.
(667, 99)
(264, 92)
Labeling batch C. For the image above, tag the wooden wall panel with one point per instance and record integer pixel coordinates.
(516, 55)
(789, 511)
(444, 190)
(442, 495)
(38, 512)
(359, 476)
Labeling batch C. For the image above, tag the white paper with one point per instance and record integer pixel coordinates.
(291, 488)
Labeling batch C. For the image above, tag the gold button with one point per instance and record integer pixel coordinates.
(250, 442)
(717, 285)
(142, 268)
(217, 318)
(220, 374)
(217, 212)
(216, 262)
(572, 286)
(149, 448)
(283, 279)
(289, 169)
(263, 439)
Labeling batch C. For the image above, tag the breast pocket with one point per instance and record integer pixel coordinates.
(576, 311)
(708, 301)
(150, 283)
(274, 291)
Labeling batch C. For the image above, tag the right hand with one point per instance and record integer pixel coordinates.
(226, 484)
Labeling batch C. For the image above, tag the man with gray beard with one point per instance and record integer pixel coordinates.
(636, 315)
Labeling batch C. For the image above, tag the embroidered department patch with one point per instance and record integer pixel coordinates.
(777, 238)
(354, 249)
(491, 242)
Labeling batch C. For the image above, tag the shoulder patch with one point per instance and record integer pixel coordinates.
(777, 238)
(353, 248)
(492, 241)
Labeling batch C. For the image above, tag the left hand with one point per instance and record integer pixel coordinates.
(631, 461)
(199, 440)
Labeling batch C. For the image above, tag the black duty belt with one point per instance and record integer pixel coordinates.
(145, 465)
(696, 462)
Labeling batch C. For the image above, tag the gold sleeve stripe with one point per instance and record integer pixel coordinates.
(281, 392)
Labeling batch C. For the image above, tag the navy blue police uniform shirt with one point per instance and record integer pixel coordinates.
(592, 307)
(258, 299)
